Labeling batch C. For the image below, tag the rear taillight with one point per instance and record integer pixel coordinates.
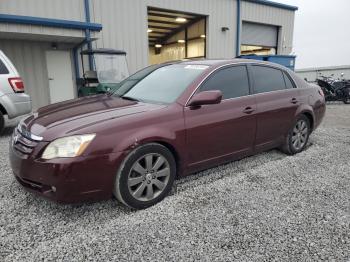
(17, 84)
(320, 91)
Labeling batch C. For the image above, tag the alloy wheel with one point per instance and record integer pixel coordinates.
(148, 177)
(300, 134)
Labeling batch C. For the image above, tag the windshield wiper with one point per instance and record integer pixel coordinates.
(130, 98)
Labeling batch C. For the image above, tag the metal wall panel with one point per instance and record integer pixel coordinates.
(29, 59)
(282, 18)
(59, 9)
(125, 25)
(258, 34)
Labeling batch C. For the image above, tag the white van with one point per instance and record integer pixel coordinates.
(13, 101)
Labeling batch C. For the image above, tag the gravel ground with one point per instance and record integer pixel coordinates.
(267, 207)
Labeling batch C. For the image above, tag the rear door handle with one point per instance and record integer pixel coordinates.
(294, 100)
(248, 110)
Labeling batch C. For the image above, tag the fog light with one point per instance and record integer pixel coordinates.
(53, 188)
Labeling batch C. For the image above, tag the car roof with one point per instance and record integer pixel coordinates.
(221, 62)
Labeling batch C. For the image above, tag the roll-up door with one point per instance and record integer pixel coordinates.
(259, 34)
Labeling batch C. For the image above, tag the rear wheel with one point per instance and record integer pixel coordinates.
(146, 176)
(2, 123)
(346, 99)
(298, 136)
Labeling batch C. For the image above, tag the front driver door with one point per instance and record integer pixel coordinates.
(220, 132)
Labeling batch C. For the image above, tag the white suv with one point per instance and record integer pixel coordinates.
(13, 101)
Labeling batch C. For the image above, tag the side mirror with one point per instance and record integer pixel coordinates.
(206, 98)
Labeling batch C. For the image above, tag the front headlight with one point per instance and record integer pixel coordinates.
(70, 146)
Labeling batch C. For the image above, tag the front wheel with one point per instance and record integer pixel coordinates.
(145, 177)
(298, 136)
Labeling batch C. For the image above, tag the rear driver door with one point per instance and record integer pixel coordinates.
(277, 100)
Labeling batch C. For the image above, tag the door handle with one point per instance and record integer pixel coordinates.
(248, 110)
(294, 100)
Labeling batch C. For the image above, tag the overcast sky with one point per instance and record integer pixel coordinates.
(321, 33)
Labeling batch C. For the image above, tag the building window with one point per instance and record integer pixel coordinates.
(175, 35)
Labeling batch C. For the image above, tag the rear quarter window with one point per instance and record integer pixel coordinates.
(267, 79)
(3, 69)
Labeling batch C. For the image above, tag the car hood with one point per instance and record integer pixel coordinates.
(70, 117)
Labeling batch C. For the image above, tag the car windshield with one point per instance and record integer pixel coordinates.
(164, 85)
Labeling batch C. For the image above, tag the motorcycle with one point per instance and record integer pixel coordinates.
(335, 89)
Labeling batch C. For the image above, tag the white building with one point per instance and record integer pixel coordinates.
(311, 74)
(43, 37)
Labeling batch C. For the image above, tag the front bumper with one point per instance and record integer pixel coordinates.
(16, 104)
(65, 180)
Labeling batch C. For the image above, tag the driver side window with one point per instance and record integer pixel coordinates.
(231, 81)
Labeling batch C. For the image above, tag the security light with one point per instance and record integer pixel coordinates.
(181, 41)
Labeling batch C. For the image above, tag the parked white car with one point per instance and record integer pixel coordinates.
(13, 101)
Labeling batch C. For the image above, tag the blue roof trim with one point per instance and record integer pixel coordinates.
(31, 20)
(274, 4)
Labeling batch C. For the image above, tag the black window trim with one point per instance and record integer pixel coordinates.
(270, 66)
(285, 73)
(222, 68)
(250, 78)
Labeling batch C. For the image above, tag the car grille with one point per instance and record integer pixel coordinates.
(22, 145)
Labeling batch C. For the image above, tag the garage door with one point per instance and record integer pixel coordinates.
(259, 35)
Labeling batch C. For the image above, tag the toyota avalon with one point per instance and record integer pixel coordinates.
(164, 122)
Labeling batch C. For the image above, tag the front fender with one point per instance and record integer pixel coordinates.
(141, 137)
(174, 141)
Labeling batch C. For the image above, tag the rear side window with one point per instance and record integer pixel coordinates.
(231, 81)
(289, 83)
(267, 79)
(3, 69)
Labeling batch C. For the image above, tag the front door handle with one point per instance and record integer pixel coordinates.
(248, 110)
(294, 100)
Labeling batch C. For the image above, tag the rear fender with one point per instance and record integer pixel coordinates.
(308, 111)
(3, 105)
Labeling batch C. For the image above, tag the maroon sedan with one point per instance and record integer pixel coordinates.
(163, 122)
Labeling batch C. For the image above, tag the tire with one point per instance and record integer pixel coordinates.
(145, 177)
(298, 136)
(2, 123)
(346, 99)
